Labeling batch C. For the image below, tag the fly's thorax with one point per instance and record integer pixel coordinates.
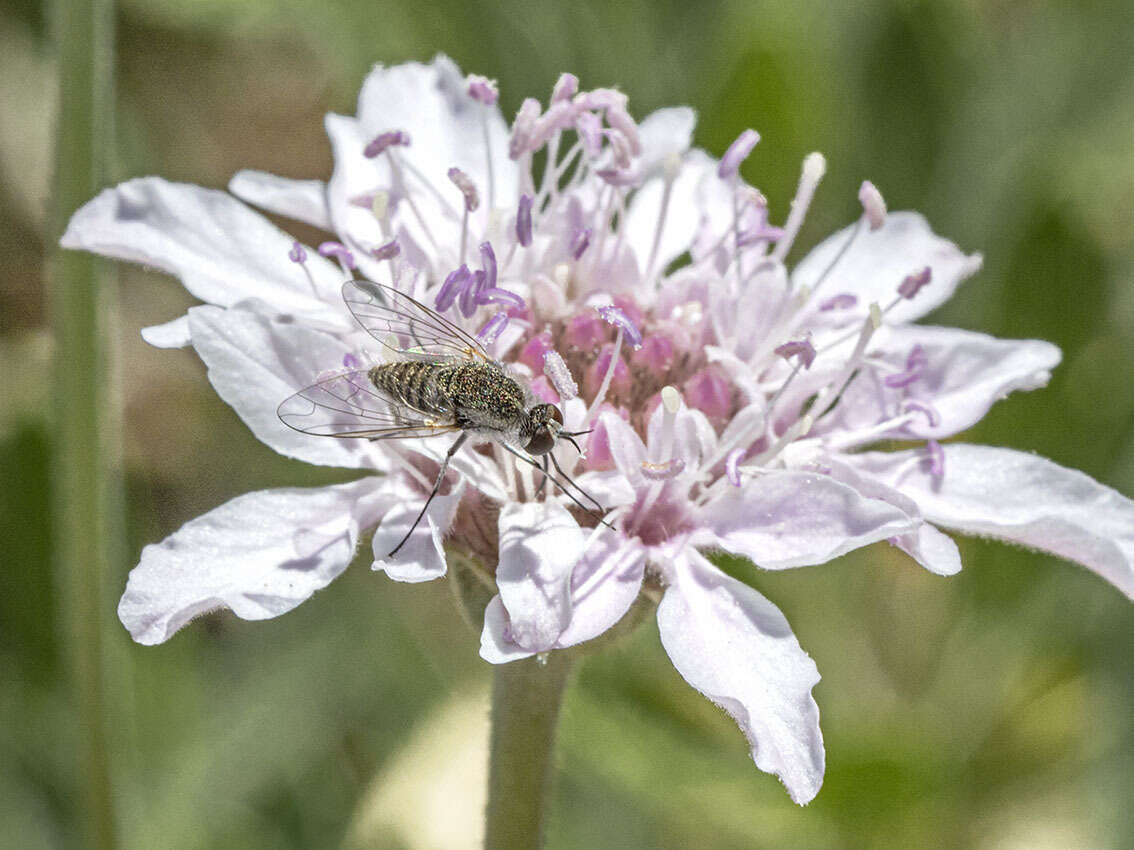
(483, 396)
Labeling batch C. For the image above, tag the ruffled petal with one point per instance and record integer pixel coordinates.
(302, 200)
(965, 373)
(256, 361)
(794, 519)
(222, 251)
(540, 544)
(878, 260)
(422, 557)
(496, 644)
(259, 555)
(172, 334)
(736, 648)
(1019, 497)
(604, 584)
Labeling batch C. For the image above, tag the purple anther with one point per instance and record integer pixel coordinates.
(560, 376)
(391, 138)
(579, 241)
(604, 99)
(619, 319)
(842, 301)
(737, 152)
(524, 221)
(492, 328)
(589, 127)
(801, 348)
(463, 182)
(351, 362)
(297, 254)
(936, 458)
(469, 299)
(488, 261)
(732, 466)
(482, 89)
(924, 408)
(496, 295)
(619, 177)
(454, 285)
(565, 88)
(340, 252)
(764, 233)
(523, 128)
(915, 366)
(619, 119)
(662, 471)
(559, 116)
(388, 251)
(912, 283)
(873, 204)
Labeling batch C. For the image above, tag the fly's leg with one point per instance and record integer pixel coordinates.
(542, 481)
(436, 486)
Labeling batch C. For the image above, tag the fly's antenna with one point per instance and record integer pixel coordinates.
(559, 484)
(569, 436)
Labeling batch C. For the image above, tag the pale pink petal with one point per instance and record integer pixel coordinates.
(422, 557)
(256, 361)
(965, 374)
(222, 251)
(626, 448)
(604, 584)
(736, 648)
(540, 544)
(793, 519)
(302, 200)
(260, 555)
(995, 492)
(878, 260)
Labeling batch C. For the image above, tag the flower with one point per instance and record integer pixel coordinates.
(734, 405)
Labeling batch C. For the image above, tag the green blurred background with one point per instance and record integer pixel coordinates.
(992, 709)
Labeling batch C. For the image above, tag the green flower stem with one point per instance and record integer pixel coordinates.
(526, 696)
(84, 425)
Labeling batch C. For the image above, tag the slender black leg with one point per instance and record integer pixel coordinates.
(571, 481)
(543, 480)
(436, 486)
(559, 484)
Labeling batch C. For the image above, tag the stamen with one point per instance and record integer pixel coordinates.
(619, 319)
(351, 362)
(615, 361)
(388, 251)
(662, 471)
(492, 328)
(873, 204)
(496, 295)
(737, 152)
(383, 141)
(380, 205)
(671, 399)
(732, 466)
(580, 240)
(341, 253)
(469, 299)
(915, 367)
(589, 127)
(936, 458)
(488, 262)
(842, 301)
(801, 348)
(923, 407)
(453, 286)
(482, 89)
(523, 127)
(619, 119)
(560, 376)
(297, 254)
(463, 182)
(524, 221)
(565, 88)
(912, 283)
(814, 167)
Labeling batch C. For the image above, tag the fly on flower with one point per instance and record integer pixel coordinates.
(444, 383)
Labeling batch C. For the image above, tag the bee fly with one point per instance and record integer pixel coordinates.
(445, 383)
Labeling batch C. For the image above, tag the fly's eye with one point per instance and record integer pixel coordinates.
(555, 414)
(541, 442)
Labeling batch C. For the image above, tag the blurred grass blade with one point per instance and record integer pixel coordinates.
(83, 426)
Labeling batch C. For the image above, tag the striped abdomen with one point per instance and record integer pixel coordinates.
(414, 383)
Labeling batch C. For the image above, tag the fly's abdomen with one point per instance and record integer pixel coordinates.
(414, 384)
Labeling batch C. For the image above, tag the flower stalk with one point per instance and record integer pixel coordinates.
(83, 32)
(526, 696)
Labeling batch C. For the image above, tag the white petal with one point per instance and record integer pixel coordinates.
(256, 361)
(736, 648)
(302, 200)
(626, 448)
(876, 263)
(422, 558)
(446, 126)
(793, 519)
(260, 555)
(665, 133)
(496, 644)
(540, 544)
(222, 251)
(172, 334)
(1019, 497)
(966, 374)
(604, 584)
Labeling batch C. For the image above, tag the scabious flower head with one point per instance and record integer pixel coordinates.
(734, 404)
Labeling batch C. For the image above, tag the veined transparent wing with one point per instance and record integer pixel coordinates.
(406, 326)
(349, 405)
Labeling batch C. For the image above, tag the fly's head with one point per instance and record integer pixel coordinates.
(545, 428)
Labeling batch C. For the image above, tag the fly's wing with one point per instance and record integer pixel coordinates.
(407, 327)
(349, 405)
